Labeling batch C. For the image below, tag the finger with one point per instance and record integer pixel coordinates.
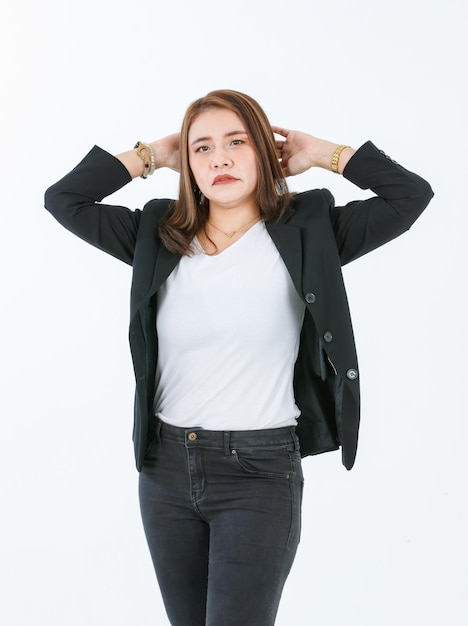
(280, 131)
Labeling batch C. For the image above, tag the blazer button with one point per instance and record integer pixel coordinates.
(328, 337)
(310, 298)
(352, 374)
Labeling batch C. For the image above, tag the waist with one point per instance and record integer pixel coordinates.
(227, 439)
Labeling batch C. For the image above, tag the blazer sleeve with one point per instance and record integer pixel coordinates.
(75, 201)
(401, 197)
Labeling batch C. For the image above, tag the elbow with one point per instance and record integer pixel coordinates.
(414, 204)
(426, 194)
(420, 198)
(51, 200)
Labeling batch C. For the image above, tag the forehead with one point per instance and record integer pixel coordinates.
(215, 122)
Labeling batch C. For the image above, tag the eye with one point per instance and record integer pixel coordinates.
(237, 142)
(202, 149)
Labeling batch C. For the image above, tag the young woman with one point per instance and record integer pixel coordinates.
(241, 338)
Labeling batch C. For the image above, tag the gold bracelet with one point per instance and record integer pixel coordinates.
(146, 154)
(336, 158)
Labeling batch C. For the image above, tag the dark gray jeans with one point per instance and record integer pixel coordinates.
(222, 516)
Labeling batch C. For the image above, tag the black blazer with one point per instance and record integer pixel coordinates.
(314, 239)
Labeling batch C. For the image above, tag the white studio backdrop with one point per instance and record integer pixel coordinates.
(384, 544)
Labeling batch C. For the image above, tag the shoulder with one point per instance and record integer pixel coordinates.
(156, 210)
(153, 212)
(158, 206)
(312, 197)
(311, 205)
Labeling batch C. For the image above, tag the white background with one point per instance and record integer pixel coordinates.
(384, 544)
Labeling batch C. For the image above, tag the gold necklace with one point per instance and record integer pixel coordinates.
(231, 235)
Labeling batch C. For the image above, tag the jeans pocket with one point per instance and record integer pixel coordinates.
(264, 463)
(296, 464)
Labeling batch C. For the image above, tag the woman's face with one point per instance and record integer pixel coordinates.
(223, 159)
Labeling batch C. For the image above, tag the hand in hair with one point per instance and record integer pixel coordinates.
(300, 151)
(167, 152)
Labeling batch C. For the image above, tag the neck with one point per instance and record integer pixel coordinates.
(232, 219)
(232, 227)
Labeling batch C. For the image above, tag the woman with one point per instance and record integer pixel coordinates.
(241, 338)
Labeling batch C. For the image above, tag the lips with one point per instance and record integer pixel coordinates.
(223, 179)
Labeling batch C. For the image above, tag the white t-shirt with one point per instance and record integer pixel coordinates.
(228, 335)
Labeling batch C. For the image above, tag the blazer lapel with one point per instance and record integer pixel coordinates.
(287, 239)
(165, 263)
(146, 281)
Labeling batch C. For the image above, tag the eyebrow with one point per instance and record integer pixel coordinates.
(230, 134)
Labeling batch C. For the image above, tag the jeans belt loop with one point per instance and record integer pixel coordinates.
(227, 443)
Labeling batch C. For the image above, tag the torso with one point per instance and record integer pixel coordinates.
(228, 326)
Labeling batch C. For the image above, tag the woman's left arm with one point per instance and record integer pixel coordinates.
(362, 225)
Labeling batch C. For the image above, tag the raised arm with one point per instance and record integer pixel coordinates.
(75, 200)
(363, 225)
(400, 197)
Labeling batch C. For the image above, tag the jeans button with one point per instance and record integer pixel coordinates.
(192, 436)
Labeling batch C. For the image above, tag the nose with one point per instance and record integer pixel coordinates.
(220, 159)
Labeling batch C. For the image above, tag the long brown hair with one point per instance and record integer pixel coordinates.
(189, 213)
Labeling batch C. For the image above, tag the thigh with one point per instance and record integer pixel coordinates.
(254, 537)
(177, 536)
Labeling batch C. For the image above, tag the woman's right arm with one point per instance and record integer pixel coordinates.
(75, 200)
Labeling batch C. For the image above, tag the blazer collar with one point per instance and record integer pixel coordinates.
(286, 237)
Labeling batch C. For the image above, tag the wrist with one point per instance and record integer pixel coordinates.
(331, 156)
(340, 158)
(322, 153)
(158, 153)
(145, 152)
(335, 160)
